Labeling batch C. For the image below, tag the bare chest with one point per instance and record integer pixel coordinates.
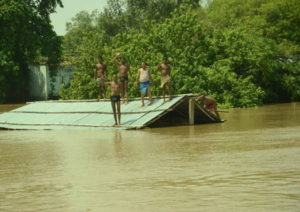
(123, 68)
(100, 69)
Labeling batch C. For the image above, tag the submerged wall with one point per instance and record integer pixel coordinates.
(39, 83)
(42, 85)
(63, 77)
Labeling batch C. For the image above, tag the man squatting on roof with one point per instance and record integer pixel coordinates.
(209, 103)
(143, 80)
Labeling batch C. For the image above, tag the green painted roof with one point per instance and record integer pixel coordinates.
(84, 114)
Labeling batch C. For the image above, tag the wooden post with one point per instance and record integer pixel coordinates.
(191, 111)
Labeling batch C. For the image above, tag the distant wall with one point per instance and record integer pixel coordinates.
(63, 77)
(39, 83)
(42, 86)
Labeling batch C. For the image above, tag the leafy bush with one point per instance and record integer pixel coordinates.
(237, 59)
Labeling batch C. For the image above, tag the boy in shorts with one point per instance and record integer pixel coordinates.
(124, 69)
(165, 69)
(100, 76)
(115, 98)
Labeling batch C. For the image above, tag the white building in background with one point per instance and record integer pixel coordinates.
(42, 86)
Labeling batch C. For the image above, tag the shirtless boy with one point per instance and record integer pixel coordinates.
(209, 103)
(143, 80)
(123, 74)
(165, 70)
(100, 76)
(115, 98)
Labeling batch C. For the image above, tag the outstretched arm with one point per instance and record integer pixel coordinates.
(115, 59)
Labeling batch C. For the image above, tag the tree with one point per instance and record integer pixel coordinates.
(26, 34)
(229, 50)
(274, 26)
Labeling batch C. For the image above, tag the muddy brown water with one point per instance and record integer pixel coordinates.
(249, 163)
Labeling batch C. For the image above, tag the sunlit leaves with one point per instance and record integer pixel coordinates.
(229, 51)
(26, 35)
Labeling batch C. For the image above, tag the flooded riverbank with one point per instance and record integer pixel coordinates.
(249, 163)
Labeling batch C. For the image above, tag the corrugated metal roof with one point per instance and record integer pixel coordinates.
(84, 114)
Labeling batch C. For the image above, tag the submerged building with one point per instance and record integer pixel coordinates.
(91, 114)
(45, 85)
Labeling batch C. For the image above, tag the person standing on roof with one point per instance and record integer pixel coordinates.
(116, 88)
(124, 69)
(100, 76)
(143, 80)
(165, 69)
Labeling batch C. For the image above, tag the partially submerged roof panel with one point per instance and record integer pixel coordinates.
(89, 114)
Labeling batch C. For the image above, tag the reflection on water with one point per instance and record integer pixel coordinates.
(249, 163)
(9, 107)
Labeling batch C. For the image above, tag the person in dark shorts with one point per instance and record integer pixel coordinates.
(100, 76)
(115, 98)
(123, 74)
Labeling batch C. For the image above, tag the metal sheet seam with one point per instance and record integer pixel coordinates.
(72, 125)
(80, 118)
(146, 113)
(158, 114)
(164, 112)
(84, 116)
(84, 112)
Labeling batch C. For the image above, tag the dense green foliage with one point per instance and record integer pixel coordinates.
(26, 35)
(244, 53)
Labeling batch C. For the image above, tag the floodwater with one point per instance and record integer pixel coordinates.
(249, 163)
